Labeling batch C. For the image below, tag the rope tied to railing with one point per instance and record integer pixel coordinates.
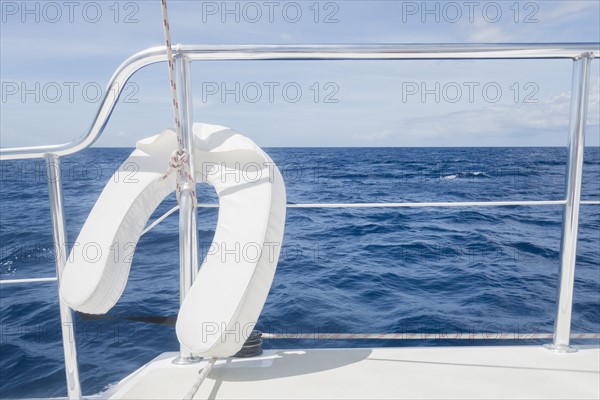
(179, 158)
(180, 162)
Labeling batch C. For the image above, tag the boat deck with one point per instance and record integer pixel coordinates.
(383, 373)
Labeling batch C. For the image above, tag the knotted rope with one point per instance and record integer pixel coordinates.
(179, 163)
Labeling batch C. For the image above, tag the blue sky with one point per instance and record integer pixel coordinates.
(57, 56)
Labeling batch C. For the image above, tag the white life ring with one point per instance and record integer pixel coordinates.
(231, 288)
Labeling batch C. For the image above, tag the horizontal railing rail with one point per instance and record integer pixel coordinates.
(27, 280)
(308, 53)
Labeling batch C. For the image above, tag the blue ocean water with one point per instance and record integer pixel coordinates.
(386, 270)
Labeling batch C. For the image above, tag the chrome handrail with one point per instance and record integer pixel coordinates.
(59, 234)
(580, 53)
(570, 224)
(298, 52)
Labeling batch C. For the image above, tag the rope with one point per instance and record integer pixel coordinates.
(170, 60)
(146, 319)
(179, 158)
(179, 162)
(203, 374)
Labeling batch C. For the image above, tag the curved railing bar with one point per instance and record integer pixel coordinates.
(111, 96)
(298, 52)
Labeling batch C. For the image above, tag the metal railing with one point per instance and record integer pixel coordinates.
(580, 53)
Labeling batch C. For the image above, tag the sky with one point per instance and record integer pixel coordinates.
(56, 58)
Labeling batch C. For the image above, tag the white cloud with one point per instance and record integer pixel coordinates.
(594, 101)
(544, 124)
(373, 136)
(567, 10)
(513, 120)
(484, 32)
(530, 21)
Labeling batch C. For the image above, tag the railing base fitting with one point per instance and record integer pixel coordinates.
(179, 360)
(560, 348)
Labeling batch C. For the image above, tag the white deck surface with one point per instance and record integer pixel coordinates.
(380, 373)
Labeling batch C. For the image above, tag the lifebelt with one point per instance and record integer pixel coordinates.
(234, 279)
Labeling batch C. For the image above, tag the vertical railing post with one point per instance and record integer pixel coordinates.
(60, 242)
(188, 233)
(187, 117)
(570, 224)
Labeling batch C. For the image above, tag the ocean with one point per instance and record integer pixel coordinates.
(371, 270)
